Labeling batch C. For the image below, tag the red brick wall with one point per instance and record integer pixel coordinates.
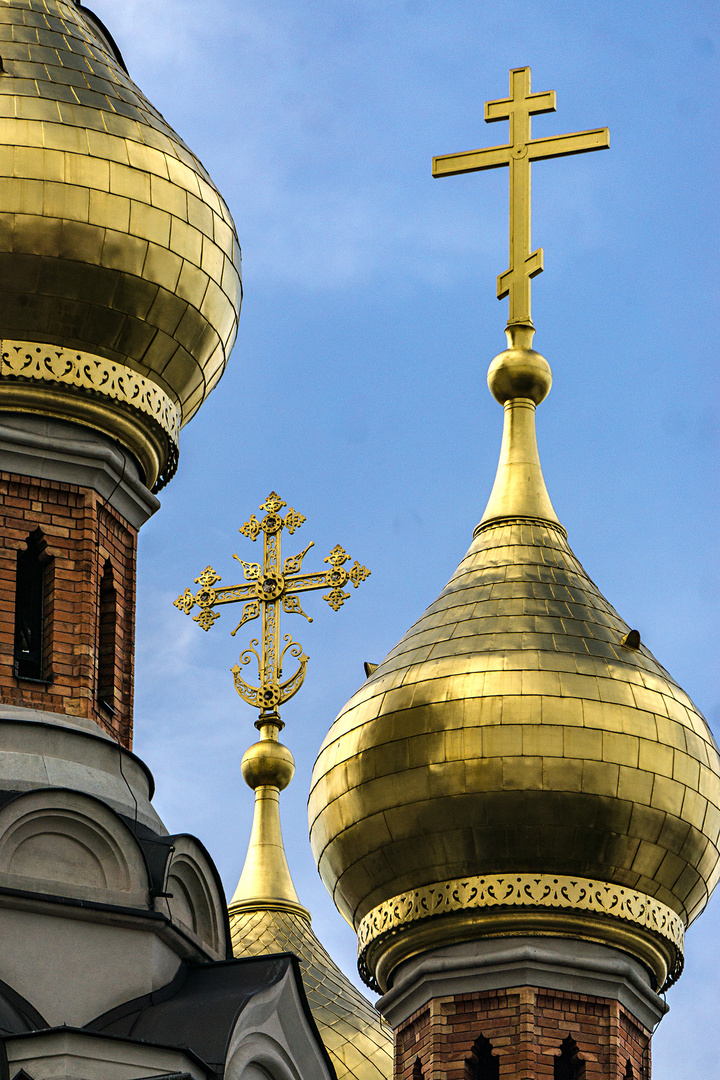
(526, 1027)
(82, 532)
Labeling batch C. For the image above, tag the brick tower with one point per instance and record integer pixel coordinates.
(519, 810)
(119, 302)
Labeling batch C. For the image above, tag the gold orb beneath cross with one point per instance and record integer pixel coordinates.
(517, 373)
(267, 763)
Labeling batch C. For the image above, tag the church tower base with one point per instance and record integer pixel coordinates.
(532, 1008)
(72, 501)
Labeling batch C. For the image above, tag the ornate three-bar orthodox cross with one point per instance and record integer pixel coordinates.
(268, 587)
(518, 153)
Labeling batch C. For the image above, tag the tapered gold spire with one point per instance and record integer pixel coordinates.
(267, 767)
(519, 378)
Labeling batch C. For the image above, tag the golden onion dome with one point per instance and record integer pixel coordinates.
(520, 762)
(119, 259)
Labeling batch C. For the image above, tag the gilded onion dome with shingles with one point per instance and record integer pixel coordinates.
(119, 261)
(520, 763)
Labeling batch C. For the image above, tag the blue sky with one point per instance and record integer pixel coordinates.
(357, 386)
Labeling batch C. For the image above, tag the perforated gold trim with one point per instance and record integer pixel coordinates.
(84, 371)
(530, 891)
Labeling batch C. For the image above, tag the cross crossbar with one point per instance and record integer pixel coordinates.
(518, 154)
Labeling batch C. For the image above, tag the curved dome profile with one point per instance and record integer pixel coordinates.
(520, 739)
(119, 259)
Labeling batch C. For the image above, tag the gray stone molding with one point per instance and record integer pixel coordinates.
(274, 1037)
(50, 449)
(65, 1052)
(181, 942)
(64, 843)
(48, 750)
(578, 967)
(63, 720)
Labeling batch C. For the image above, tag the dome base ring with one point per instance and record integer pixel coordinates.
(518, 904)
(102, 394)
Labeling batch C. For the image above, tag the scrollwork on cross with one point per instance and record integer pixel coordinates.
(269, 587)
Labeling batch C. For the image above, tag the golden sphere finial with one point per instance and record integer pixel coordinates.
(519, 373)
(267, 763)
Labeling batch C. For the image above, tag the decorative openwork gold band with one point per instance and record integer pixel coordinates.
(85, 371)
(529, 891)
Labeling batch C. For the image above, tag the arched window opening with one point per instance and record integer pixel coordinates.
(568, 1064)
(31, 650)
(107, 639)
(629, 1073)
(417, 1070)
(482, 1063)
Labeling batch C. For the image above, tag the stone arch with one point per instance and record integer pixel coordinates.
(260, 1057)
(68, 844)
(253, 1071)
(196, 899)
(275, 1034)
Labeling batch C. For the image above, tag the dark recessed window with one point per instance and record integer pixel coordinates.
(482, 1063)
(568, 1064)
(31, 584)
(107, 638)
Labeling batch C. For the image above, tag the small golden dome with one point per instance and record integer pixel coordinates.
(519, 762)
(267, 917)
(356, 1037)
(118, 257)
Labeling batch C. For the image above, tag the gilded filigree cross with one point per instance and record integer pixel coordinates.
(518, 153)
(269, 586)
